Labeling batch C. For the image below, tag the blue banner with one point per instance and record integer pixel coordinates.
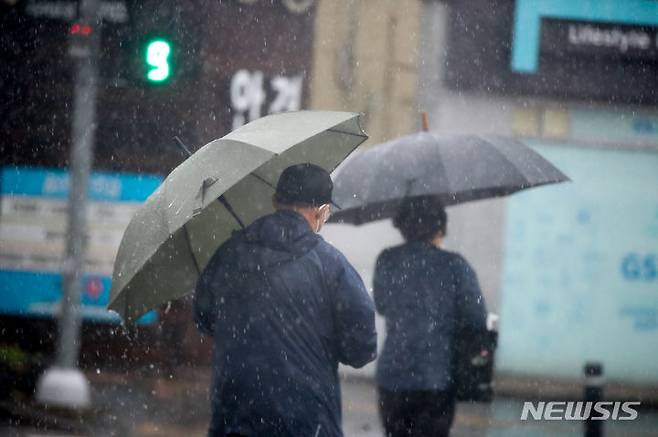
(33, 224)
(54, 183)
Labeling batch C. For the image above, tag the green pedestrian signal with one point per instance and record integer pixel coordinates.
(158, 54)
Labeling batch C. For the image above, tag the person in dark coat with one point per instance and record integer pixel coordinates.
(284, 308)
(426, 294)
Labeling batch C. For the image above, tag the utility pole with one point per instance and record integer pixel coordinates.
(64, 385)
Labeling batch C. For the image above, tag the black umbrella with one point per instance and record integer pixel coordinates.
(371, 185)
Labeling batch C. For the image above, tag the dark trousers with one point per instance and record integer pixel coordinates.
(416, 413)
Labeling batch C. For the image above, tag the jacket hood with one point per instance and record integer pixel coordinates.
(275, 239)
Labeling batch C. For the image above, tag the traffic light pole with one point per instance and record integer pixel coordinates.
(64, 385)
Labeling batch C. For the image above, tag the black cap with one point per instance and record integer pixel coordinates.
(306, 184)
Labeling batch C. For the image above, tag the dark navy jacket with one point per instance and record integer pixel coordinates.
(285, 308)
(424, 293)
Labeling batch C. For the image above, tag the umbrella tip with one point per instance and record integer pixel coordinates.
(425, 121)
(182, 145)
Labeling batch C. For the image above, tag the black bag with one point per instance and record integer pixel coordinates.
(473, 364)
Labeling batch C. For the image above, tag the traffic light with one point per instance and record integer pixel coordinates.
(158, 60)
(162, 44)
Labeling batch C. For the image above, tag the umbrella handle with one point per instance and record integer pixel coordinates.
(182, 145)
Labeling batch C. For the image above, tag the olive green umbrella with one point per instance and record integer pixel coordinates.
(225, 185)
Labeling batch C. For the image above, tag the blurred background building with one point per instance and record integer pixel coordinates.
(365, 60)
(572, 270)
(192, 70)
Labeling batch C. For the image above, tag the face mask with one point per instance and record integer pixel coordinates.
(323, 215)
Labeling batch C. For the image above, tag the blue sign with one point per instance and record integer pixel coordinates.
(529, 13)
(33, 224)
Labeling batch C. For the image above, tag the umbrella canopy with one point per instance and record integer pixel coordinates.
(172, 237)
(371, 184)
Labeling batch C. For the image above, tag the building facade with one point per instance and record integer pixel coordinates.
(571, 269)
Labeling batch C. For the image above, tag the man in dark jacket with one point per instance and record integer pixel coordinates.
(285, 308)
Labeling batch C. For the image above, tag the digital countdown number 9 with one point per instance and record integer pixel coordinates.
(158, 61)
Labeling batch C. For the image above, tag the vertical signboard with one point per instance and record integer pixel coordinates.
(580, 278)
(33, 224)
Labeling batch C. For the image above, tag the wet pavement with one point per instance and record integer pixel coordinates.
(146, 406)
(501, 418)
